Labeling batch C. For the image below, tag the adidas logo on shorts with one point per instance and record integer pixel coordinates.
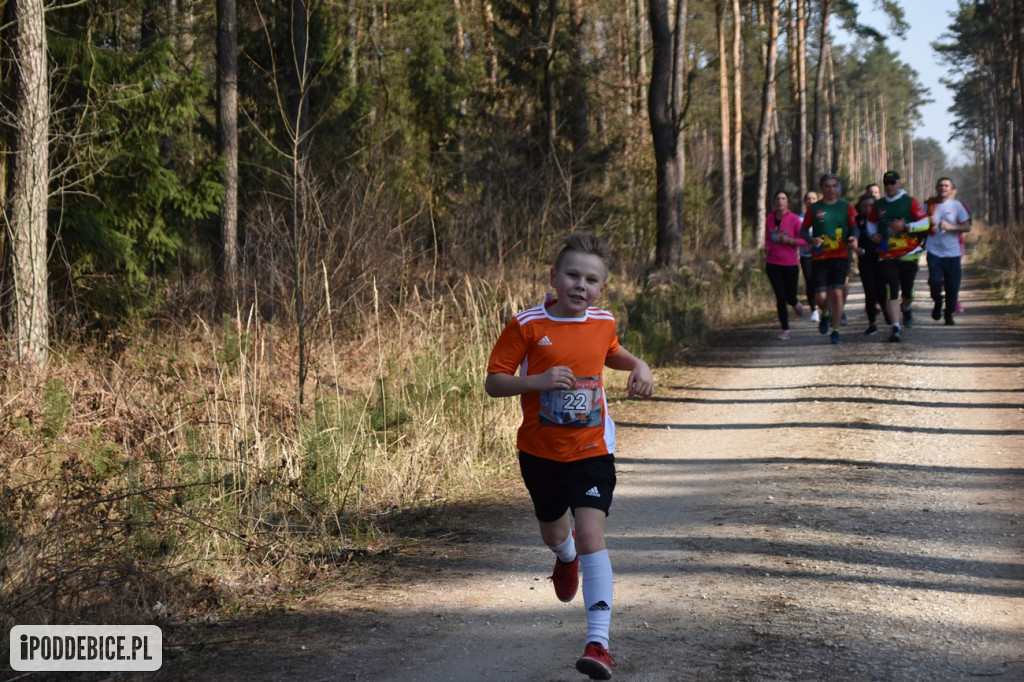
(593, 492)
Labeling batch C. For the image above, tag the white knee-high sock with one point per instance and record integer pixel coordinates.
(566, 551)
(597, 595)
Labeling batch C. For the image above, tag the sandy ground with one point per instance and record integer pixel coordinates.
(785, 511)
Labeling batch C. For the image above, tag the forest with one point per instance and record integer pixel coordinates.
(255, 253)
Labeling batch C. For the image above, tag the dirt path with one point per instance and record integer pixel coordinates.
(785, 511)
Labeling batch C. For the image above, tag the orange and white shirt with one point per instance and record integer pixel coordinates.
(563, 425)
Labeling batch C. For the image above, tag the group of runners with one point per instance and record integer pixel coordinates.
(887, 230)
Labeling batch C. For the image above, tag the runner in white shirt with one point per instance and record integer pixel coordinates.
(949, 219)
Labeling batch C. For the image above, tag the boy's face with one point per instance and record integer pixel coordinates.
(579, 281)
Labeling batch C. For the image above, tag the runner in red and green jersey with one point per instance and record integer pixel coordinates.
(897, 223)
(829, 226)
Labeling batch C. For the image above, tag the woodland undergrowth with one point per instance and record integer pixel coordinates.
(173, 472)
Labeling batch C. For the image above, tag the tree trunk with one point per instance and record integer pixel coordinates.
(25, 256)
(490, 47)
(883, 138)
(767, 113)
(817, 146)
(737, 126)
(549, 77)
(665, 108)
(801, 97)
(578, 104)
(640, 50)
(299, 142)
(835, 144)
(227, 138)
(726, 126)
(914, 189)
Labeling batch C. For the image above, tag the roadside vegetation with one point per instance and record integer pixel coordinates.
(1000, 254)
(178, 455)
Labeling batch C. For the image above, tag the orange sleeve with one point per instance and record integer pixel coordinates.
(509, 350)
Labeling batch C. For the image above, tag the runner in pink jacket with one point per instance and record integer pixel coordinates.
(782, 258)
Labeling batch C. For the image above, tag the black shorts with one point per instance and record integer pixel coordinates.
(896, 276)
(829, 273)
(557, 486)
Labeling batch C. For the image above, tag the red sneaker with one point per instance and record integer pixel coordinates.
(596, 662)
(566, 578)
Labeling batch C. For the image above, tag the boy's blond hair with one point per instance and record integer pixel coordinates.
(585, 242)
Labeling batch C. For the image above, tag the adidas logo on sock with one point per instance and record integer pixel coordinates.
(545, 342)
(593, 492)
(600, 606)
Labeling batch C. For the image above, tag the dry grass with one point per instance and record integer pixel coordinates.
(183, 459)
(174, 464)
(999, 249)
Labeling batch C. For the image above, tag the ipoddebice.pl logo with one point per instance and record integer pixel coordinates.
(86, 647)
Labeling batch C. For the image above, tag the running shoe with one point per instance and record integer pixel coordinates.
(835, 337)
(824, 323)
(815, 315)
(949, 319)
(937, 309)
(872, 329)
(959, 307)
(896, 336)
(566, 578)
(843, 321)
(784, 336)
(596, 662)
(908, 318)
(799, 309)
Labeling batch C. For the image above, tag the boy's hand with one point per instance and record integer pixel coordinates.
(556, 378)
(641, 381)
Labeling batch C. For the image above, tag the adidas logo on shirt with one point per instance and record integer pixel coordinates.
(593, 492)
(545, 342)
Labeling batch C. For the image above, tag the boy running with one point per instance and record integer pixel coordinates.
(567, 439)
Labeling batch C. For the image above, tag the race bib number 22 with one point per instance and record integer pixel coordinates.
(579, 406)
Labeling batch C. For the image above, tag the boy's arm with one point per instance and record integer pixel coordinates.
(640, 381)
(501, 385)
